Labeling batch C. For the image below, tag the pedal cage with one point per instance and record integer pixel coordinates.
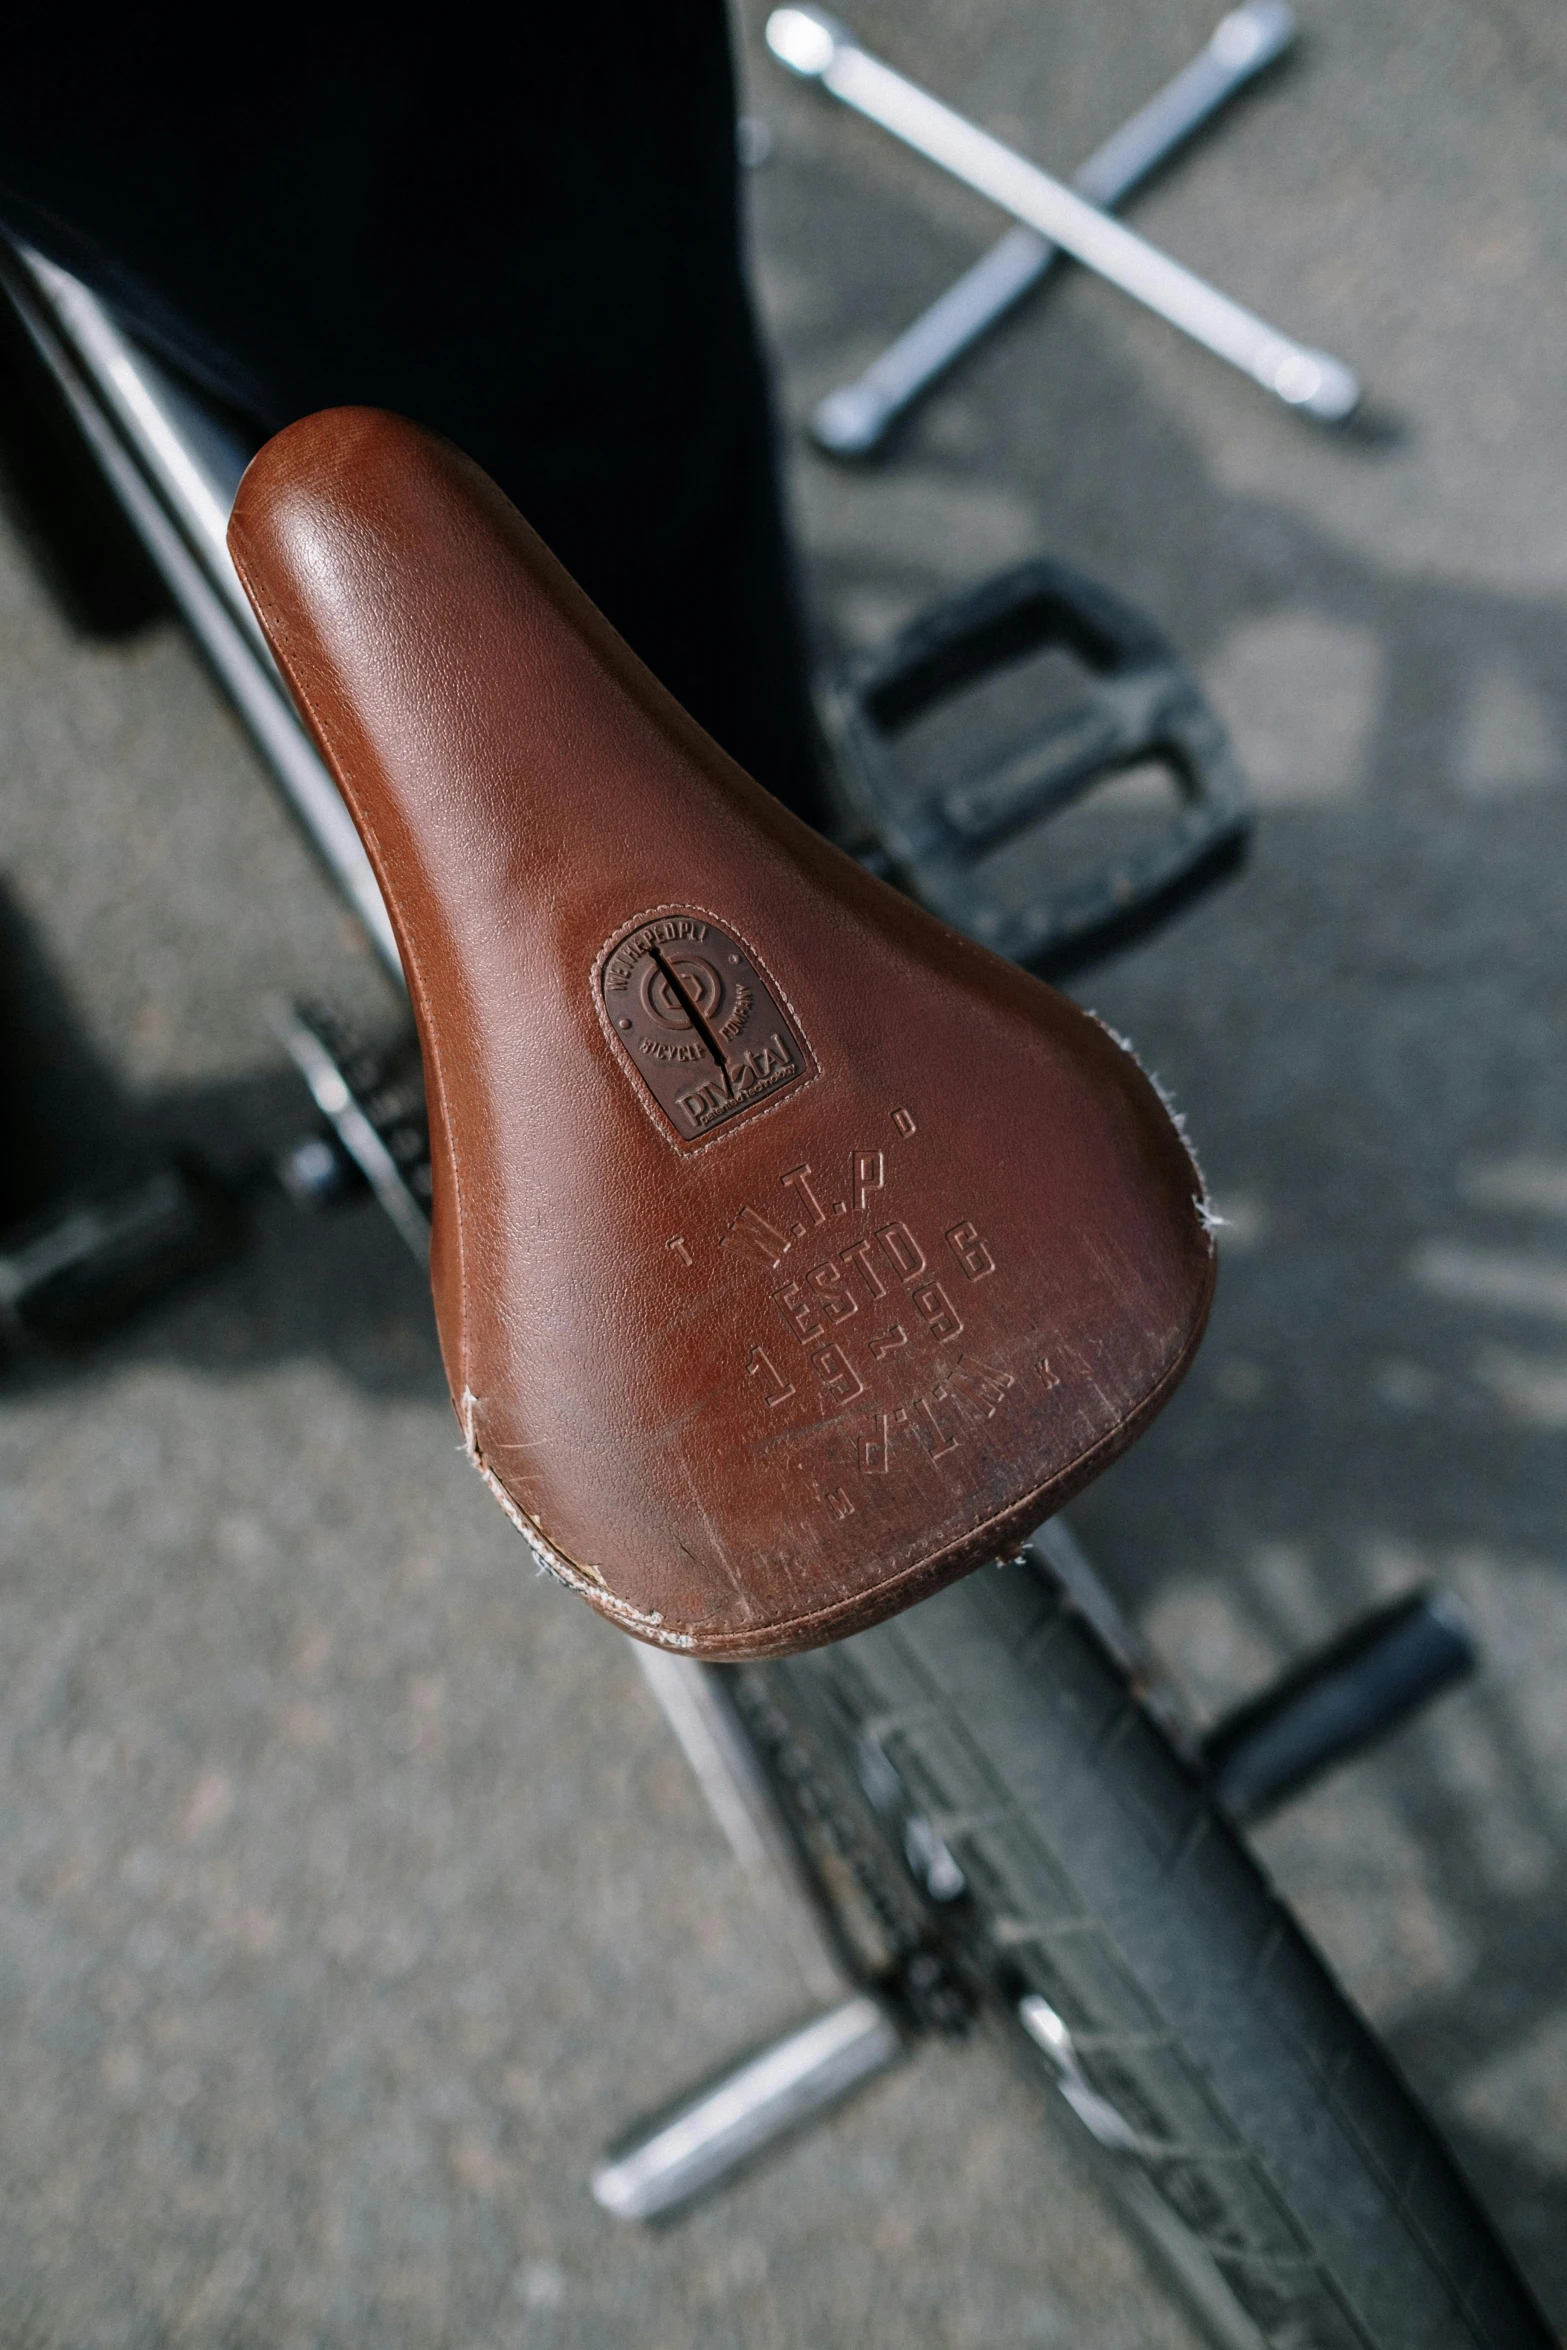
(963, 846)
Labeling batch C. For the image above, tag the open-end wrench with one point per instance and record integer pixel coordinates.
(813, 44)
(855, 418)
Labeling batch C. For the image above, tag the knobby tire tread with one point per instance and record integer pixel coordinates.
(1272, 2122)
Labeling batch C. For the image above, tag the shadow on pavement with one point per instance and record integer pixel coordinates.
(341, 1285)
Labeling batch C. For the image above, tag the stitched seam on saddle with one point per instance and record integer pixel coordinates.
(658, 1118)
(564, 1570)
(1207, 1217)
(278, 631)
(878, 1600)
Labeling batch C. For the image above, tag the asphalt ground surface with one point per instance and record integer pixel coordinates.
(352, 1892)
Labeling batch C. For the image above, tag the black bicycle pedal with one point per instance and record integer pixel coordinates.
(89, 1259)
(1037, 765)
(1356, 1690)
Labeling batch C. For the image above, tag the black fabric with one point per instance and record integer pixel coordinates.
(519, 229)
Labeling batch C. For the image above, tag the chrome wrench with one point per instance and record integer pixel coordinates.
(854, 419)
(818, 48)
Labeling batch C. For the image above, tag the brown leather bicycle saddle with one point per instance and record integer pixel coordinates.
(791, 1254)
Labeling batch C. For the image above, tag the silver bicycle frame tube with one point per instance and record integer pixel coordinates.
(175, 476)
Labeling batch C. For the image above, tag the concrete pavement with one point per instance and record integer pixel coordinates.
(351, 1891)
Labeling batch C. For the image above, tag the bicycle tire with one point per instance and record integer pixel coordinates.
(1266, 2134)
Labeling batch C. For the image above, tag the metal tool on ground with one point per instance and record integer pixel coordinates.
(855, 419)
(818, 48)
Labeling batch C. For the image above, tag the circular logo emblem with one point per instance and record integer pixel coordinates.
(678, 983)
(698, 1022)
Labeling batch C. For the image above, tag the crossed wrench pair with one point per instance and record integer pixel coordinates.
(853, 419)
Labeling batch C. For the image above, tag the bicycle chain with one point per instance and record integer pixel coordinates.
(914, 1965)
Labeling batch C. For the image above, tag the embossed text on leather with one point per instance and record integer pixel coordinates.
(698, 1022)
(874, 1255)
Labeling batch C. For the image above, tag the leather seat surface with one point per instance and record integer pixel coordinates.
(791, 1254)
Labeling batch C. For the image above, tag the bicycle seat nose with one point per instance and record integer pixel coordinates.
(791, 1254)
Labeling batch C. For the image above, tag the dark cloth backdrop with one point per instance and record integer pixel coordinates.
(519, 226)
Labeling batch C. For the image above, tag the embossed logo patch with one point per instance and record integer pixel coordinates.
(700, 1025)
